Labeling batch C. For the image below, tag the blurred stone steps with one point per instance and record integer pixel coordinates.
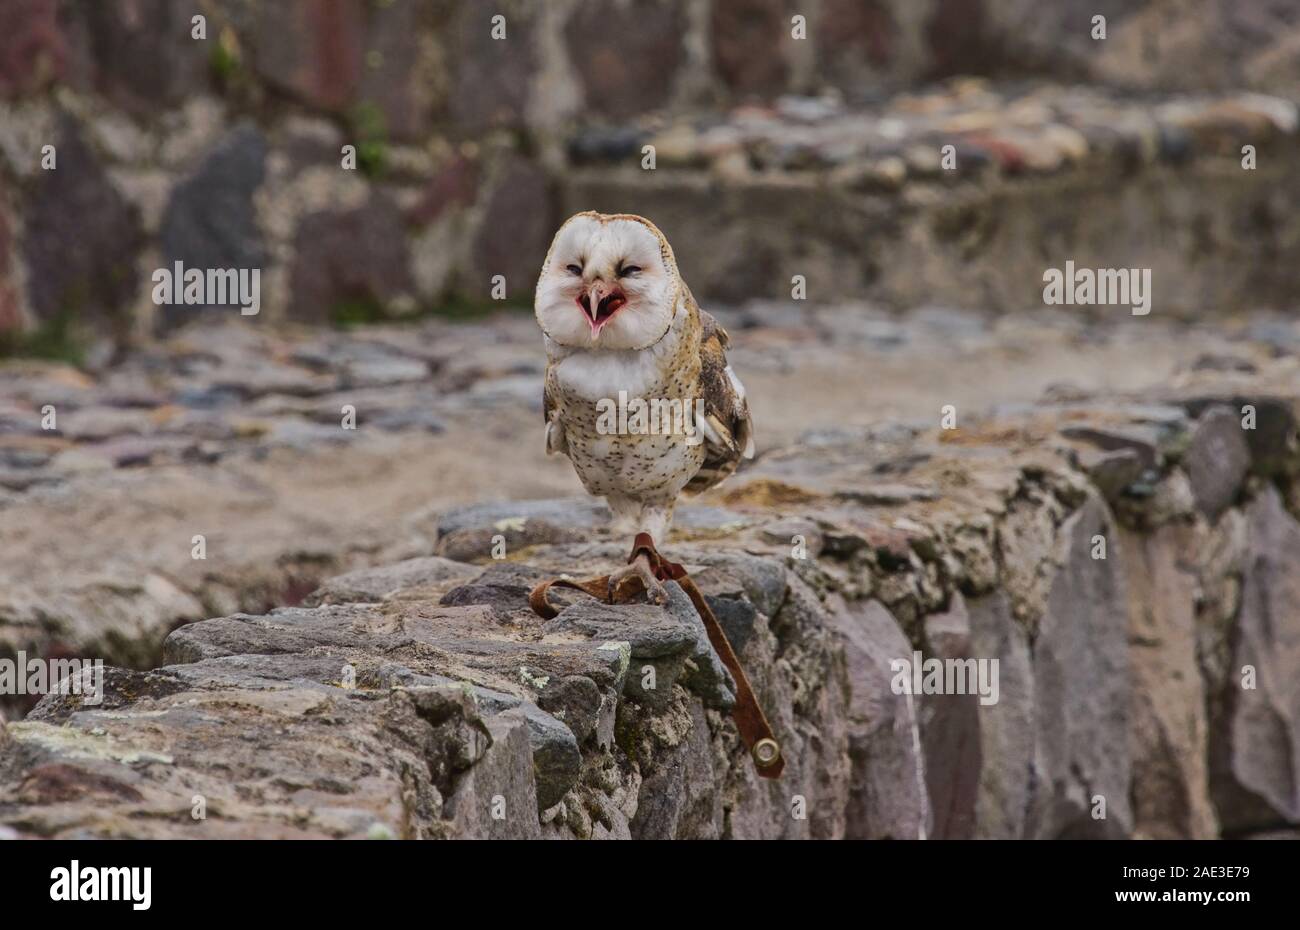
(859, 203)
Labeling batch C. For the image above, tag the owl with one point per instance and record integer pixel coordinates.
(638, 392)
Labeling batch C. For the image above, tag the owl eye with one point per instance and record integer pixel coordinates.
(629, 271)
(575, 269)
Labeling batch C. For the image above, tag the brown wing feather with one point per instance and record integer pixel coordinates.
(555, 441)
(725, 409)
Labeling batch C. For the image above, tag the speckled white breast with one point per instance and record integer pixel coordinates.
(649, 468)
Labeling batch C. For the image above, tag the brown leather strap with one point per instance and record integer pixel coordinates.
(596, 587)
(752, 723)
(748, 714)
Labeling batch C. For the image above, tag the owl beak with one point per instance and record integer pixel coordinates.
(600, 303)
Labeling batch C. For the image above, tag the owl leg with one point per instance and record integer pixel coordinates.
(634, 516)
(641, 568)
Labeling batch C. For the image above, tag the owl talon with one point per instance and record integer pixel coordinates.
(641, 569)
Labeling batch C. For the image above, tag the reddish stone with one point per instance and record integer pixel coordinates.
(81, 240)
(337, 55)
(1009, 157)
(516, 230)
(455, 185)
(32, 47)
(950, 731)
(10, 318)
(349, 257)
(392, 78)
(490, 77)
(958, 35)
(627, 54)
(749, 38)
(313, 49)
(851, 30)
(136, 53)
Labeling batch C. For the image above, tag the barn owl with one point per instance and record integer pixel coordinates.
(624, 338)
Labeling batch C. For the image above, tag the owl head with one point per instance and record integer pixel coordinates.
(610, 282)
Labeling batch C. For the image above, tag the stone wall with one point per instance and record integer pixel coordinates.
(352, 663)
(226, 151)
(1130, 563)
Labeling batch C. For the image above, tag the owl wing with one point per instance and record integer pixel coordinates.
(727, 427)
(555, 439)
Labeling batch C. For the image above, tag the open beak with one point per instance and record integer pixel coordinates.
(600, 303)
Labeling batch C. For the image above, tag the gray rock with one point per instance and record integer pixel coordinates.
(887, 495)
(738, 618)
(222, 186)
(950, 730)
(1168, 727)
(504, 587)
(394, 79)
(294, 433)
(382, 370)
(652, 633)
(1253, 736)
(785, 532)
(376, 584)
(1112, 471)
(1142, 441)
(888, 798)
(556, 760)
(1082, 691)
(1273, 441)
(679, 798)
(577, 702)
(1217, 460)
(467, 532)
(496, 798)
(1006, 729)
(554, 757)
(345, 764)
(659, 643)
(400, 675)
(350, 631)
(96, 281)
(728, 573)
(705, 673)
